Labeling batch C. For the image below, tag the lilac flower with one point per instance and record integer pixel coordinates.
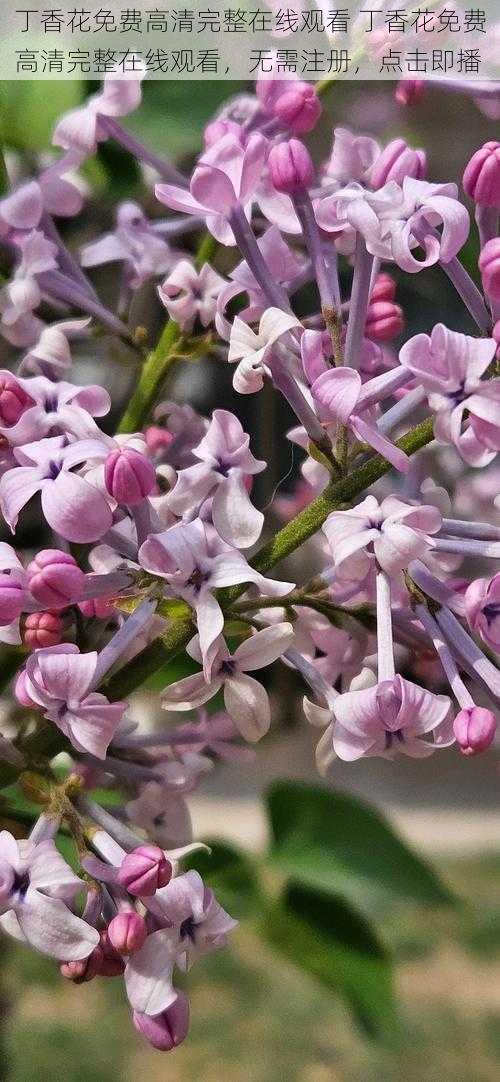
(393, 533)
(450, 366)
(342, 397)
(226, 176)
(51, 353)
(351, 159)
(189, 294)
(74, 508)
(482, 606)
(60, 407)
(162, 812)
(225, 464)
(250, 349)
(246, 701)
(387, 717)
(53, 191)
(136, 242)
(60, 679)
(20, 297)
(36, 889)
(194, 563)
(284, 265)
(199, 925)
(82, 129)
(395, 220)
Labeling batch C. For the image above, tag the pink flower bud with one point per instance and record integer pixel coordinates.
(144, 870)
(157, 439)
(298, 107)
(290, 166)
(129, 476)
(42, 629)
(11, 598)
(384, 321)
(55, 579)
(21, 693)
(410, 91)
(489, 265)
(13, 400)
(474, 729)
(481, 179)
(167, 1030)
(127, 932)
(384, 288)
(99, 608)
(396, 162)
(85, 969)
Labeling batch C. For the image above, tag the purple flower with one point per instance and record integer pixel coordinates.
(52, 349)
(59, 679)
(54, 191)
(395, 221)
(388, 717)
(450, 366)
(74, 508)
(49, 407)
(81, 129)
(226, 176)
(250, 348)
(189, 294)
(36, 888)
(352, 157)
(393, 533)
(246, 701)
(481, 179)
(482, 607)
(225, 464)
(162, 812)
(194, 563)
(136, 242)
(342, 397)
(20, 297)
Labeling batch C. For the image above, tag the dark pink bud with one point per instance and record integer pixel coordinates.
(144, 870)
(84, 970)
(474, 729)
(127, 932)
(396, 162)
(129, 476)
(55, 579)
(13, 401)
(157, 439)
(298, 107)
(384, 288)
(481, 179)
(167, 1030)
(290, 166)
(112, 962)
(42, 629)
(410, 91)
(11, 598)
(99, 608)
(21, 693)
(489, 265)
(384, 321)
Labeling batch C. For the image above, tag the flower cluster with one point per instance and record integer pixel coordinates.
(153, 532)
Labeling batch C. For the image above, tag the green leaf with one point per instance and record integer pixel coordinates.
(333, 842)
(323, 935)
(231, 874)
(30, 110)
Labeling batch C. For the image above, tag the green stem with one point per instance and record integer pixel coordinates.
(151, 378)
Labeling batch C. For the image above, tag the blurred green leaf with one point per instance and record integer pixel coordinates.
(173, 114)
(333, 842)
(232, 875)
(324, 936)
(30, 110)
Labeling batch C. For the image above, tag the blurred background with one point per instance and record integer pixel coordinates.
(255, 1017)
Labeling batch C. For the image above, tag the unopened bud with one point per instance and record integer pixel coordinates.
(168, 1029)
(129, 476)
(290, 166)
(42, 629)
(144, 871)
(474, 729)
(481, 179)
(55, 579)
(127, 932)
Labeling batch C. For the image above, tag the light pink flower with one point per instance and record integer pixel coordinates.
(450, 366)
(36, 888)
(250, 348)
(59, 679)
(49, 407)
(52, 349)
(482, 607)
(342, 397)
(136, 242)
(393, 533)
(189, 294)
(80, 129)
(246, 701)
(390, 716)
